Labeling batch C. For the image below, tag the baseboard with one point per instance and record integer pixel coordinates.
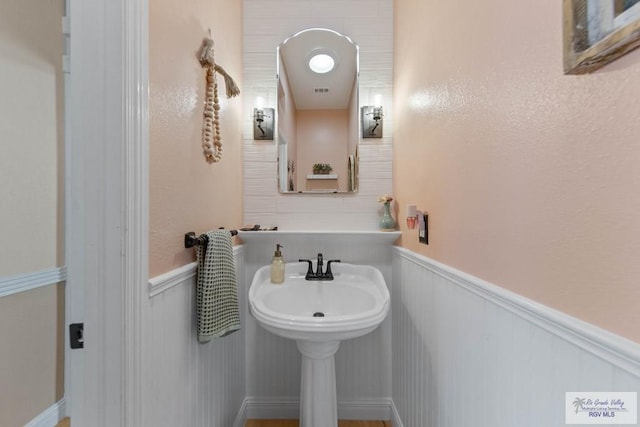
(395, 416)
(272, 407)
(289, 408)
(241, 418)
(51, 416)
(365, 409)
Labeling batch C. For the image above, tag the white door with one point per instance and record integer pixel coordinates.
(107, 208)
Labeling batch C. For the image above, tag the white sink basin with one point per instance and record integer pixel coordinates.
(353, 304)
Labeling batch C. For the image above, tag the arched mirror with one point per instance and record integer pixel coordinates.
(318, 117)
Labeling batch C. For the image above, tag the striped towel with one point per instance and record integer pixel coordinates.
(217, 290)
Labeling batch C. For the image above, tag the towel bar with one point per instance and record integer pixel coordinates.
(191, 240)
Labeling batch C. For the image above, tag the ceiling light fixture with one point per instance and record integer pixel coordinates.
(321, 63)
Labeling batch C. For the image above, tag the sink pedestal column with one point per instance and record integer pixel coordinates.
(318, 403)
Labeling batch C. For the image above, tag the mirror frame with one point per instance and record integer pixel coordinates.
(282, 168)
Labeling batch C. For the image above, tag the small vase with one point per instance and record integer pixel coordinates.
(387, 223)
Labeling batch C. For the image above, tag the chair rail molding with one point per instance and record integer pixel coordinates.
(23, 282)
(612, 348)
(177, 276)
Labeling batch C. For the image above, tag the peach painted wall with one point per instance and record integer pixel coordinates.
(32, 354)
(287, 119)
(32, 212)
(32, 133)
(186, 192)
(287, 110)
(353, 120)
(322, 138)
(531, 177)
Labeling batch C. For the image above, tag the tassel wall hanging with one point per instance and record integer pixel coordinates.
(211, 141)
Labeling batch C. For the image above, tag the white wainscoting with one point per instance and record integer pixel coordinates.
(467, 353)
(456, 352)
(186, 383)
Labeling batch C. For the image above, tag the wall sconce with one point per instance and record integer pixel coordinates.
(412, 217)
(372, 122)
(263, 123)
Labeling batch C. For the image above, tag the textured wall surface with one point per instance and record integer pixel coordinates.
(268, 23)
(530, 176)
(186, 192)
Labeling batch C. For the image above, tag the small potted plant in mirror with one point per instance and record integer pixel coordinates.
(322, 168)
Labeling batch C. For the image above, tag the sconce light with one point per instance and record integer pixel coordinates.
(412, 217)
(263, 123)
(372, 122)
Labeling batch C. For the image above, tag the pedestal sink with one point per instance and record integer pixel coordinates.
(318, 315)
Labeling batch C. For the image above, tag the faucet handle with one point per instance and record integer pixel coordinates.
(329, 273)
(309, 267)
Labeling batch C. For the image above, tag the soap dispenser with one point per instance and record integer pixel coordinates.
(277, 266)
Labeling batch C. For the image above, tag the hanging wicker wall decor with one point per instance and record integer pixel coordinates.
(211, 140)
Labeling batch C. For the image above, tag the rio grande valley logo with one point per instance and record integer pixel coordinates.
(601, 407)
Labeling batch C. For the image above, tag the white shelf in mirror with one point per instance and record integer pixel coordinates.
(322, 176)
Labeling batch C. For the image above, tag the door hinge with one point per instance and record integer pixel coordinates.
(76, 335)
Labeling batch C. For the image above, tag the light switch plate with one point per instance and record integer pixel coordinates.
(423, 228)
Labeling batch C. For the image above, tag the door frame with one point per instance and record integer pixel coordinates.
(107, 209)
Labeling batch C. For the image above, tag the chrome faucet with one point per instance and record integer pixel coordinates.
(319, 274)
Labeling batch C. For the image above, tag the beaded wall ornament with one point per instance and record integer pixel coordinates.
(211, 140)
